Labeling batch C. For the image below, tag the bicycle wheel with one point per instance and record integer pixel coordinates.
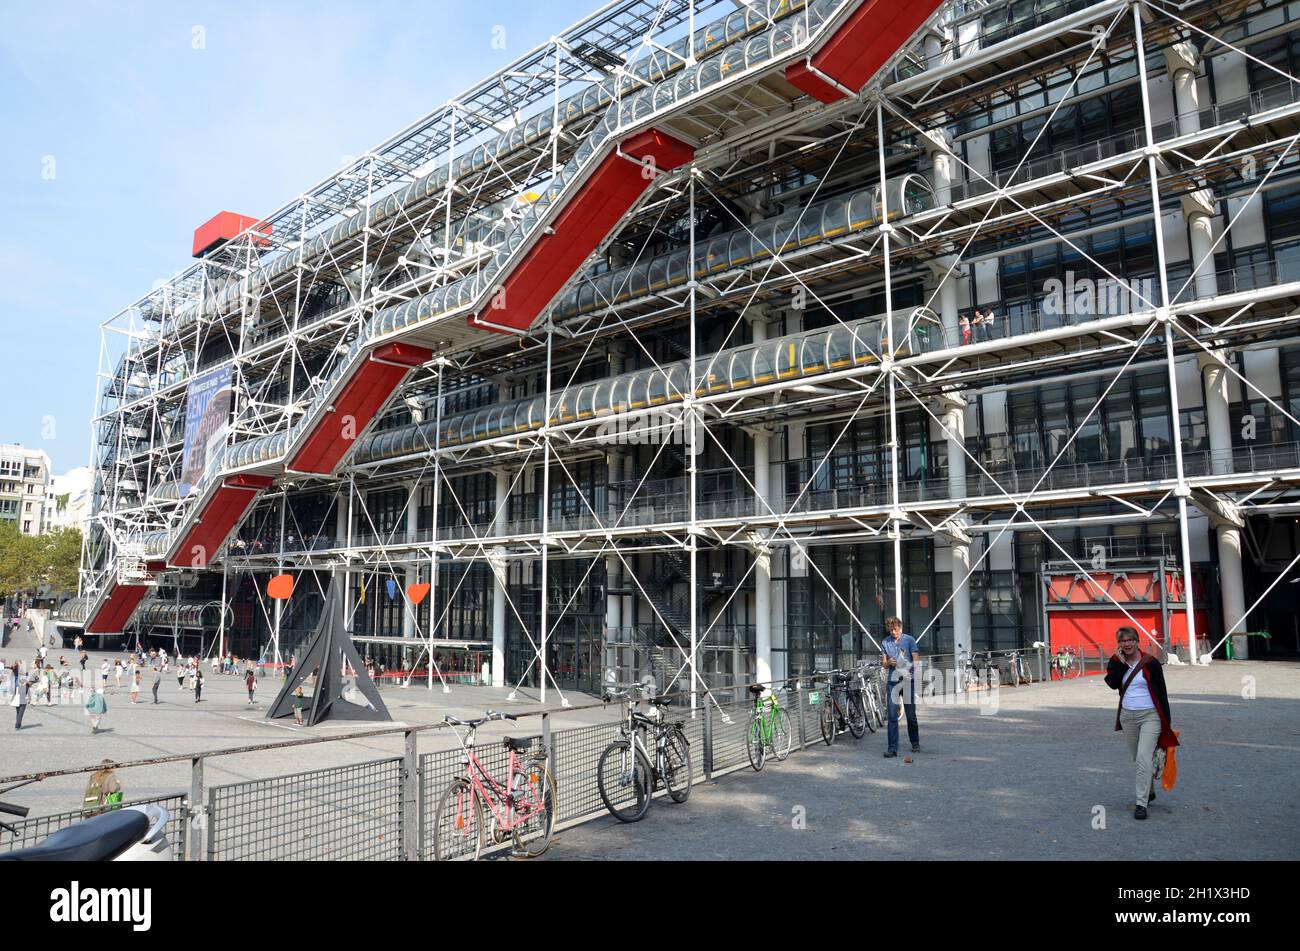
(1075, 669)
(458, 824)
(857, 717)
(828, 721)
(782, 734)
(878, 694)
(625, 781)
(870, 711)
(754, 744)
(533, 834)
(678, 769)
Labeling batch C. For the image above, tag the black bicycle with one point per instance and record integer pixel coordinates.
(627, 775)
(843, 706)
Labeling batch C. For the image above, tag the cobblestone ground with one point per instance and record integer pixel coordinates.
(1025, 783)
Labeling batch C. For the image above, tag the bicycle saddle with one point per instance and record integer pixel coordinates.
(660, 701)
(755, 689)
(517, 744)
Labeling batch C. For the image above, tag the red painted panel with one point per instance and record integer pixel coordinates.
(589, 216)
(406, 354)
(361, 398)
(226, 226)
(1093, 629)
(873, 33)
(217, 520)
(117, 609)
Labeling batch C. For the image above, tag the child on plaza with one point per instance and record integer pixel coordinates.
(297, 706)
(135, 687)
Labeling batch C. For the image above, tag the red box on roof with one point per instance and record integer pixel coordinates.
(225, 227)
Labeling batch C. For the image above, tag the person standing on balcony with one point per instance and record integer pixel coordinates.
(1143, 713)
(900, 657)
(964, 325)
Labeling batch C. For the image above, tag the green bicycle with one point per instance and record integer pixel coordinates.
(769, 728)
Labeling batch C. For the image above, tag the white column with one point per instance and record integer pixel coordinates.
(954, 421)
(1232, 590)
(758, 321)
(1231, 584)
(499, 583)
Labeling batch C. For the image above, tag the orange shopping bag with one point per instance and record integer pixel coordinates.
(1170, 776)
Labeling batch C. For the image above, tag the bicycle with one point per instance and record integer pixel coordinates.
(837, 716)
(624, 774)
(1018, 669)
(523, 807)
(872, 695)
(1067, 664)
(769, 726)
(985, 670)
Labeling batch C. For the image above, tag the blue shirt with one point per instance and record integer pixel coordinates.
(900, 651)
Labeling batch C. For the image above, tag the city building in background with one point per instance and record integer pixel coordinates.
(67, 499)
(701, 339)
(24, 475)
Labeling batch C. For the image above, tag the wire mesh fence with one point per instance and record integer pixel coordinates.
(343, 813)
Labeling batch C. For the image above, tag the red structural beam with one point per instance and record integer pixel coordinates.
(117, 609)
(217, 519)
(361, 398)
(580, 227)
(846, 61)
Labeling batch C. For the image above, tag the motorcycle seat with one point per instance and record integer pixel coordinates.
(98, 839)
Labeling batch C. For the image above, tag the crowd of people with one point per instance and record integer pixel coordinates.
(43, 682)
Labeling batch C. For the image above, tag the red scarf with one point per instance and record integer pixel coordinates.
(1168, 738)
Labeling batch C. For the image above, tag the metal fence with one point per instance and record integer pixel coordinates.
(385, 809)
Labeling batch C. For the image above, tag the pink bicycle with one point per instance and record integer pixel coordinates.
(523, 807)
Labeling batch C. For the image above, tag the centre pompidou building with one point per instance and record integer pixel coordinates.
(702, 338)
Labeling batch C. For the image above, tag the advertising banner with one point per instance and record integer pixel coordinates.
(207, 423)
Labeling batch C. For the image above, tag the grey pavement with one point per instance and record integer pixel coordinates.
(1024, 783)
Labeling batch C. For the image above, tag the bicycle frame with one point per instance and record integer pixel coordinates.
(494, 793)
(765, 712)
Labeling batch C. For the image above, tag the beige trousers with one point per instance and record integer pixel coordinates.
(1142, 730)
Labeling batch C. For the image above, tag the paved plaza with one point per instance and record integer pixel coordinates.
(1021, 784)
(1024, 782)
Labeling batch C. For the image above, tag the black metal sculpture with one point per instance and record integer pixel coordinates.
(337, 695)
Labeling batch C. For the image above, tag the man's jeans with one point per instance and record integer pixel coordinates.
(893, 693)
(1142, 730)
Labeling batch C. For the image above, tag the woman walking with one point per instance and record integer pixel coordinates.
(96, 707)
(1143, 713)
(251, 683)
(198, 684)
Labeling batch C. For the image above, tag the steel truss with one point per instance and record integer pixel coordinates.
(284, 304)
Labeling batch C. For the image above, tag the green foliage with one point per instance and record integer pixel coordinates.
(29, 562)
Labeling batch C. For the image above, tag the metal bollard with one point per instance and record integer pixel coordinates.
(798, 709)
(410, 800)
(196, 838)
(708, 744)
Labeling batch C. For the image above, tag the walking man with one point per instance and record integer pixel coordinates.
(20, 697)
(157, 682)
(1143, 712)
(900, 656)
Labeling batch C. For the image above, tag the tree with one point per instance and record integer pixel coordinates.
(28, 562)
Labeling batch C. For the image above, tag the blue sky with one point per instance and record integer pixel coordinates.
(147, 137)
